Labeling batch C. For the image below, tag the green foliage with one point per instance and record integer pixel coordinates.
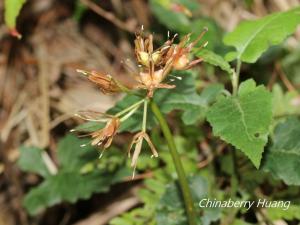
(237, 121)
(183, 97)
(293, 212)
(252, 38)
(69, 184)
(245, 120)
(170, 209)
(31, 160)
(214, 59)
(12, 10)
(283, 103)
(173, 20)
(183, 24)
(283, 157)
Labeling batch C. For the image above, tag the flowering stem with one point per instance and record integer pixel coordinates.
(135, 105)
(187, 197)
(145, 115)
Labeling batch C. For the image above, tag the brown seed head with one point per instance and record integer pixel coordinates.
(106, 83)
(105, 136)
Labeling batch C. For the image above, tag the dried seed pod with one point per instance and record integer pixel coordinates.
(107, 83)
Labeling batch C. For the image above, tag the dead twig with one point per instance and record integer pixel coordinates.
(114, 209)
(108, 15)
(44, 90)
(284, 78)
(14, 117)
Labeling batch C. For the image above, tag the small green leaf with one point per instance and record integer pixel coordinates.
(31, 161)
(66, 186)
(283, 157)
(214, 59)
(12, 10)
(252, 38)
(244, 120)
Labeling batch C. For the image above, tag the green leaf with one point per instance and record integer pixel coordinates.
(293, 212)
(31, 161)
(284, 103)
(12, 10)
(240, 222)
(244, 120)
(213, 36)
(71, 155)
(172, 20)
(66, 186)
(69, 184)
(252, 38)
(283, 157)
(184, 97)
(214, 59)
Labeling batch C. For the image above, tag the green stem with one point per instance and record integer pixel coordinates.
(145, 115)
(129, 108)
(188, 201)
(236, 77)
(235, 86)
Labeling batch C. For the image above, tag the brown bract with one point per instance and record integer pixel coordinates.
(138, 141)
(106, 83)
(105, 136)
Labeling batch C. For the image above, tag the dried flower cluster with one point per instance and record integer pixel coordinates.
(154, 65)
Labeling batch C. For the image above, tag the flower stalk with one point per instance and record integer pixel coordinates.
(186, 193)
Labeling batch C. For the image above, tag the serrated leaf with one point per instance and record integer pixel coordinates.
(12, 10)
(69, 184)
(214, 59)
(66, 186)
(244, 120)
(31, 161)
(283, 157)
(252, 38)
